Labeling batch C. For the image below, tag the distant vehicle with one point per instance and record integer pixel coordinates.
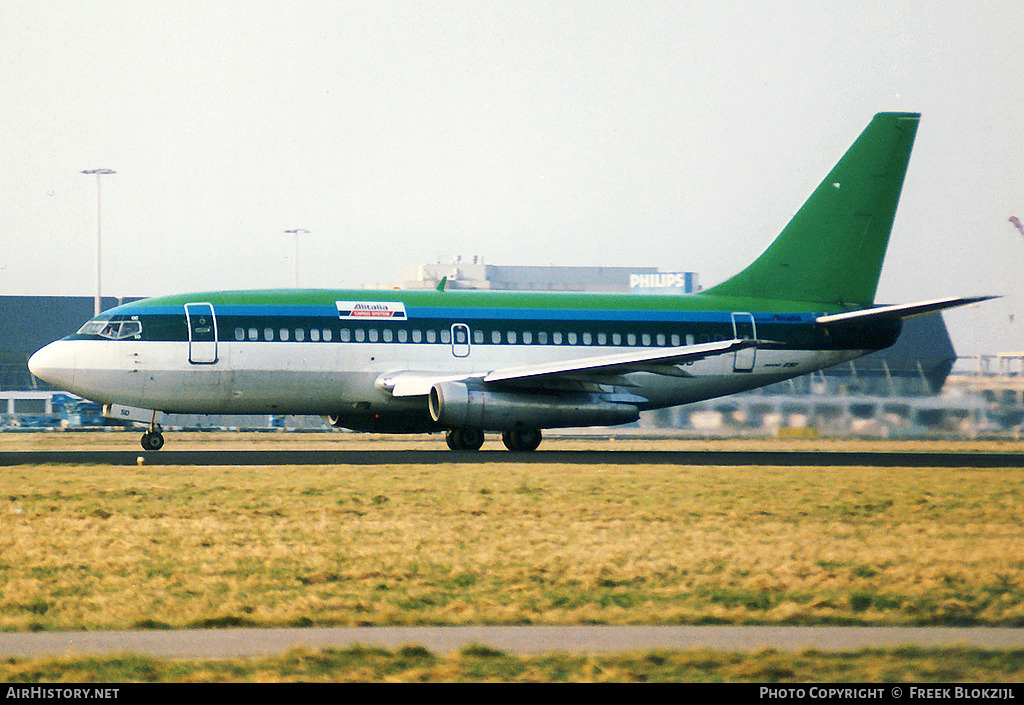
(469, 362)
(79, 411)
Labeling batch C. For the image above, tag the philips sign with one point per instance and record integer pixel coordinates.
(664, 282)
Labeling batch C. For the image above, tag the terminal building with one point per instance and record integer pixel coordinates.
(902, 389)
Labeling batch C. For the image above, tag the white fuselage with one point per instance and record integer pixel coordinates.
(294, 378)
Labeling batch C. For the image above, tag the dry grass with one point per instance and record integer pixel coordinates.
(480, 664)
(89, 547)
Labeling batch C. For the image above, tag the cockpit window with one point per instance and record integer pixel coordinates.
(114, 330)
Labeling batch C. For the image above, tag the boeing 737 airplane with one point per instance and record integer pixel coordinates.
(468, 362)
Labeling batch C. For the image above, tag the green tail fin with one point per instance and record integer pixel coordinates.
(832, 250)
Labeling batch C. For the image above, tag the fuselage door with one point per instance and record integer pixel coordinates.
(460, 340)
(743, 328)
(202, 333)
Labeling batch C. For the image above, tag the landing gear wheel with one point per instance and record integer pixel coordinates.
(522, 439)
(152, 440)
(464, 438)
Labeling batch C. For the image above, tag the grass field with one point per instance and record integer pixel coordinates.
(90, 547)
(476, 664)
(93, 547)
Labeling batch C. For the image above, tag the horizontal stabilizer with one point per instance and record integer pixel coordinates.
(900, 310)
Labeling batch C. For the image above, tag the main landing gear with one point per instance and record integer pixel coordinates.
(522, 439)
(519, 439)
(464, 438)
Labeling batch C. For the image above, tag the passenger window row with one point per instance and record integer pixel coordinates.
(269, 333)
(444, 336)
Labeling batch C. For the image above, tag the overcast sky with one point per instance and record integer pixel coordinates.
(681, 135)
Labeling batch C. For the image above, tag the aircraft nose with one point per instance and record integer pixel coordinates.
(54, 364)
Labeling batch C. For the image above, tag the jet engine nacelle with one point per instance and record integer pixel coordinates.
(459, 405)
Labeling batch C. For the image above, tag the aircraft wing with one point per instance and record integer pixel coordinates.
(413, 383)
(619, 362)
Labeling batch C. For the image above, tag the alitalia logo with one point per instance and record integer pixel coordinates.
(371, 309)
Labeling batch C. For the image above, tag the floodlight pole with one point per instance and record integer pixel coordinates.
(97, 304)
(296, 232)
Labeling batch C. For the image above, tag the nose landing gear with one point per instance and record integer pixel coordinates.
(153, 439)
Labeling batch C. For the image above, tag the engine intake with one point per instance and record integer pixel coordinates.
(459, 405)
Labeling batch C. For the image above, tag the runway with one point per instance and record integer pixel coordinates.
(240, 643)
(780, 458)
